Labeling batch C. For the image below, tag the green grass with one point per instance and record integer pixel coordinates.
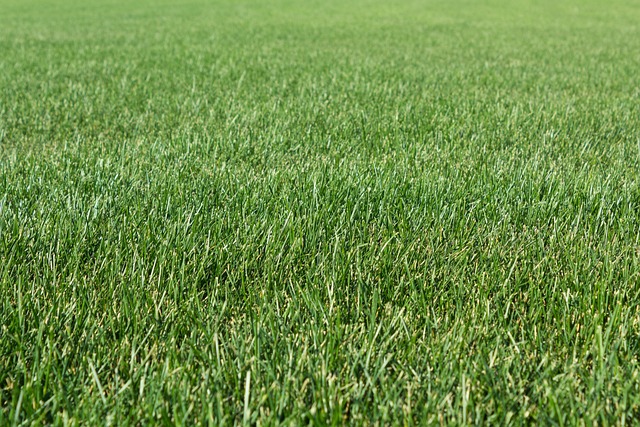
(319, 212)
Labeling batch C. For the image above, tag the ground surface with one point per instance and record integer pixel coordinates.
(319, 212)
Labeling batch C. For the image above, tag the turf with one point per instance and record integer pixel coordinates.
(319, 212)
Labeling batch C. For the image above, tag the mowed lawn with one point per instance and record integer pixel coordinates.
(319, 212)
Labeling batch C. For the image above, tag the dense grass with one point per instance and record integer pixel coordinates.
(319, 212)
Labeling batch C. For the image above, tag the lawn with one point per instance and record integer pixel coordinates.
(319, 212)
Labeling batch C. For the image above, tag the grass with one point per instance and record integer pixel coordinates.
(287, 212)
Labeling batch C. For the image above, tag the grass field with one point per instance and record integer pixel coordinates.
(319, 212)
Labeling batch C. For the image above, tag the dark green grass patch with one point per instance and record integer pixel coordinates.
(334, 212)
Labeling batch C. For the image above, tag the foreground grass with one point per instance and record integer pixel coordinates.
(319, 212)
